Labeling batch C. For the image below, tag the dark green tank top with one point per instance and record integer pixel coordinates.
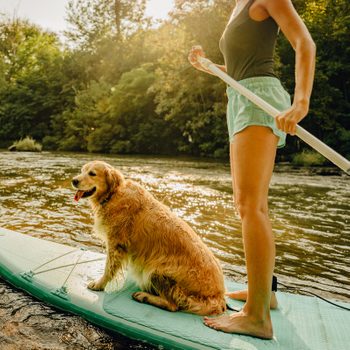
(248, 46)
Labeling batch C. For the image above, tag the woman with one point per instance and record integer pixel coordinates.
(247, 45)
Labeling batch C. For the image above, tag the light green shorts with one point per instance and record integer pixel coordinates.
(242, 113)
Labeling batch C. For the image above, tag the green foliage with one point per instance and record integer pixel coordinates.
(26, 144)
(198, 113)
(96, 20)
(91, 104)
(33, 81)
(329, 25)
(124, 86)
(308, 158)
(118, 119)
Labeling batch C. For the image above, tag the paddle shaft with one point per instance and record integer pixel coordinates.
(303, 134)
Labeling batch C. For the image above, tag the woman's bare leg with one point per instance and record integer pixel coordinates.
(252, 159)
(242, 295)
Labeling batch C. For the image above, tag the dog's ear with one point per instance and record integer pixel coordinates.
(113, 178)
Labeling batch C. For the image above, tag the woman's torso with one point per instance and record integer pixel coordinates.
(248, 45)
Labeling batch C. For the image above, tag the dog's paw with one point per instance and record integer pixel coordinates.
(96, 285)
(141, 297)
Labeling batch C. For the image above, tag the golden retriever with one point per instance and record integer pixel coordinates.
(173, 267)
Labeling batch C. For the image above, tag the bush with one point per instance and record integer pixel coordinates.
(308, 158)
(51, 142)
(26, 144)
(121, 147)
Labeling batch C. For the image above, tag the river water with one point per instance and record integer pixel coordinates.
(310, 215)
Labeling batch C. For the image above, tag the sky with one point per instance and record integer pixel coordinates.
(50, 14)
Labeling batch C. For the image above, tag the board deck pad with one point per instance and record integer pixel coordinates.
(300, 322)
(35, 265)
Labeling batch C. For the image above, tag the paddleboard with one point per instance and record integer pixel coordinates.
(58, 275)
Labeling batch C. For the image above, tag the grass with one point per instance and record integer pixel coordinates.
(26, 144)
(308, 158)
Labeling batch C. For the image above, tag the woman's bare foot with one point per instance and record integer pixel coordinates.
(241, 323)
(242, 296)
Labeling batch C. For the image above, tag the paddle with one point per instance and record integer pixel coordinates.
(310, 139)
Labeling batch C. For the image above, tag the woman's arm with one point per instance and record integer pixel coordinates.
(285, 15)
(193, 59)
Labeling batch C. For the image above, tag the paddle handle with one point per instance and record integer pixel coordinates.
(304, 135)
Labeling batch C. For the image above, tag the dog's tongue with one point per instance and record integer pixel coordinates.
(78, 195)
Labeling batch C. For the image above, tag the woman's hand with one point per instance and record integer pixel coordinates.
(193, 57)
(287, 121)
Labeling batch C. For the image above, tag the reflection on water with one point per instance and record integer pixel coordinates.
(310, 214)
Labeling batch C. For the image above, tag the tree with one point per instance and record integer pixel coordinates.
(101, 31)
(329, 25)
(31, 60)
(197, 111)
(133, 111)
(123, 86)
(96, 20)
(91, 105)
